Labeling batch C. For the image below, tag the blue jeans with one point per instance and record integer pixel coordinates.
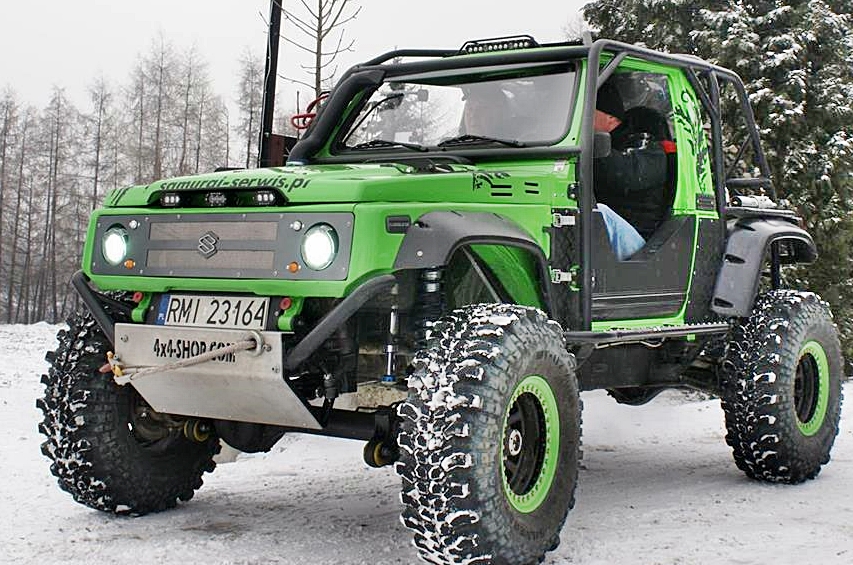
(624, 238)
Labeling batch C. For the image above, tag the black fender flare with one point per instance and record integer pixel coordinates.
(748, 241)
(434, 237)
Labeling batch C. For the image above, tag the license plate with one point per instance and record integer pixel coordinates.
(233, 312)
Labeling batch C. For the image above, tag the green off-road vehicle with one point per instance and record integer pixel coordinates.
(452, 283)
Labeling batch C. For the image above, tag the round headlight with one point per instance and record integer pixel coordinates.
(114, 245)
(319, 246)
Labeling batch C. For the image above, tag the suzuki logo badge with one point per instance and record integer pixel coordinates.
(207, 245)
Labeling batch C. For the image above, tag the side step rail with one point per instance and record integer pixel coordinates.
(644, 334)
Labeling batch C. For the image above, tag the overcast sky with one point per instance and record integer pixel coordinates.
(69, 43)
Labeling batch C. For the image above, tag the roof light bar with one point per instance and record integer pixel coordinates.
(499, 44)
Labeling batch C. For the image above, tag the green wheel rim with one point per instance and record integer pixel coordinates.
(811, 388)
(530, 444)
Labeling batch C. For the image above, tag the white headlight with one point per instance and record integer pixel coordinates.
(319, 247)
(114, 245)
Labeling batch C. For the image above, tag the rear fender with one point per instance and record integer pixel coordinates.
(749, 240)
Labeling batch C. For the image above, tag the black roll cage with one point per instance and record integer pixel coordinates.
(696, 69)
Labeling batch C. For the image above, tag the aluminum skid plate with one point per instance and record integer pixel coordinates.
(247, 386)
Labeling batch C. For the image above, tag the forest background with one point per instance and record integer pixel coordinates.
(166, 118)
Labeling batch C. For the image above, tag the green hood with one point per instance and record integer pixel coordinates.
(328, 184)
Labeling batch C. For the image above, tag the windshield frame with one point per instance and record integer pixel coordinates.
(507, 79)
(322, 143)
(462, 74)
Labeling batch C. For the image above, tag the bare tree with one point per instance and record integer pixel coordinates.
(151, 101)
(8, 116)
(18, 213)
(321, 25)
(194, 85)
(160, 69)
(249, 102)
(97, 124)
(135, 115)
(24, 310)
(57, 124)
(212, 133)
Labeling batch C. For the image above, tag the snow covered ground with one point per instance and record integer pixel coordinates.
(658, 486)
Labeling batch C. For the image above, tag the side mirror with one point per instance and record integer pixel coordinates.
(600, 145)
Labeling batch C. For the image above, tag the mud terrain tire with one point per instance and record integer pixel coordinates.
(94, 434)
(782, 387)
(490, 438)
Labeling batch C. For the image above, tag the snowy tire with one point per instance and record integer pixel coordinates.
(782, 388)
(109, 450)
(490, 438)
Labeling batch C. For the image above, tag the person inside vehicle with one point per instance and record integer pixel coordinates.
(625, 179)
(486, 111)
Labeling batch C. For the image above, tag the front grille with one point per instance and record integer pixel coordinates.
(228, 260)
(233, 231)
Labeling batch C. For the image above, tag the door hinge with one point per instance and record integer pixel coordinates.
(562, 220)
(560, 277)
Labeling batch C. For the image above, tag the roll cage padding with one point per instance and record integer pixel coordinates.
(324, 124)
(433, 239)
(749, 240)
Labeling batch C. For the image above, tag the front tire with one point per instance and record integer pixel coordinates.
(490, 438)
(107, 447)
(782, 387)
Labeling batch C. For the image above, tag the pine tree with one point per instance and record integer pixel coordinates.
(796, 60)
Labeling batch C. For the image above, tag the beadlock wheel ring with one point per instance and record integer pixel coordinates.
(811, 388)
(530, 444)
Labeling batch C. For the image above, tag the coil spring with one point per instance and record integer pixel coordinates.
(430, 300)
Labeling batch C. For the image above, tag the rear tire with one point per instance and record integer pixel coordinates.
(108, 448)
(490, 438)
(782, 387)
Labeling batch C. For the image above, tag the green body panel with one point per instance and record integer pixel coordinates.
(326, 184)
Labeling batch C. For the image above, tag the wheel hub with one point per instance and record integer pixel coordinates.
(514, 443)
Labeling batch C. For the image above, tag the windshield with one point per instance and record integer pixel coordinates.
(505, 106)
